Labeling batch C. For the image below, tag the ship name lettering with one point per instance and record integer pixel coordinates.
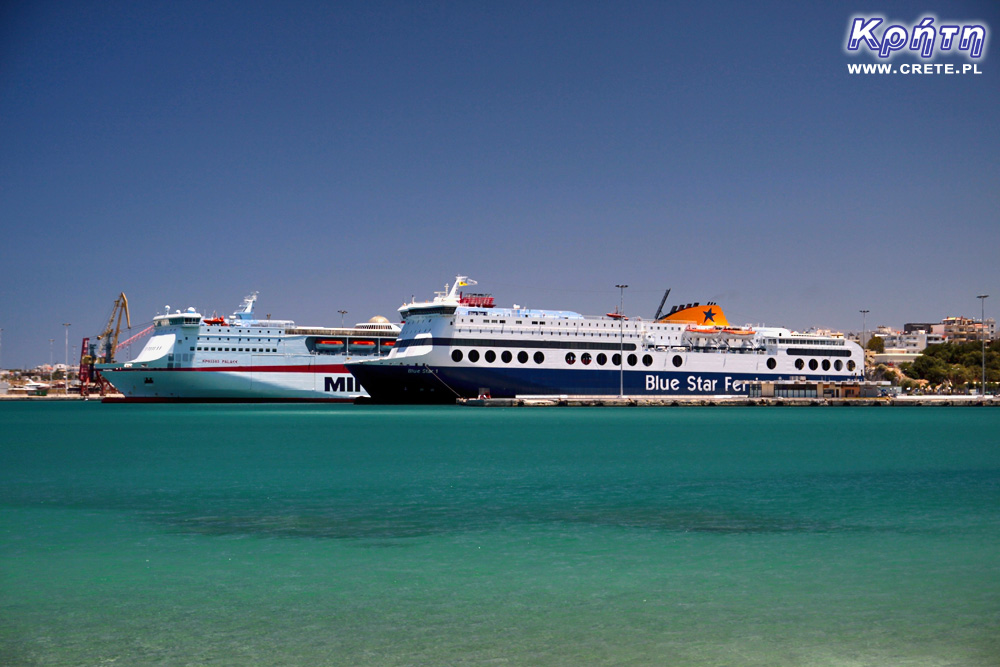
(698, 383)
(734, 385)
(342, 383)
(654, 383)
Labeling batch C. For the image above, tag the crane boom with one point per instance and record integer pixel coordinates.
(109, 338)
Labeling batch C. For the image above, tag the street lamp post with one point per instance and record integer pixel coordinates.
(66, 379)
(864, 334)
(342, 313)
(982, 320)
(621, 340)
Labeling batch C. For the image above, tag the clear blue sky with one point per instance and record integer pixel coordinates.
(348, 155)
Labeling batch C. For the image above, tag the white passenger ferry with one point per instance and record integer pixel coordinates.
(462, 346)
(190, 358)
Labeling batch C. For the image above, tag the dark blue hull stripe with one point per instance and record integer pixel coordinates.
(445, 384)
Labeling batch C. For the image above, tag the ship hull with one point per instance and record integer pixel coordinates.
(424, 383)
(330, 383)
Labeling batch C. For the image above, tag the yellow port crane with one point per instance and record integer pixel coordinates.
(109, 338)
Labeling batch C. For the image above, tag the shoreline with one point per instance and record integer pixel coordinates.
(645, 401)
(720, 401)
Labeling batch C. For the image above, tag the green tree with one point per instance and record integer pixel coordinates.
(930, 368)
(876, 345)
(958, 374)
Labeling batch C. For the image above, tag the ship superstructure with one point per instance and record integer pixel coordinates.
(462, 346)
(242, 358)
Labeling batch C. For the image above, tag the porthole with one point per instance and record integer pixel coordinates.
(813, 365)
(851, 365)
(506, 356)
(585, 358)
(602, 359)
(677, 361)
(539, 357)
(570, 358)
(647, 360)
(772, 363)
(616, 359)
(490, 356)
(838, 365)
(522, 356)
(799, 364)
(632, 360)
(473, 356)
(826, 364)
(456, 355)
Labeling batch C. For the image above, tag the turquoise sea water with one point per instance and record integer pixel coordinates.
(357, 535)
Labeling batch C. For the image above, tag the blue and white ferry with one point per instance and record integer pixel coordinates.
(462, 346)
(190, 358)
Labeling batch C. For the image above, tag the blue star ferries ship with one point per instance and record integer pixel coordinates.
(461, 345)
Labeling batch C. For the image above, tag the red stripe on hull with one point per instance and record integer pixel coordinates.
(238, 369)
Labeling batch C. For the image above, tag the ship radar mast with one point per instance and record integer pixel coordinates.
(245, 311)
(460, 281)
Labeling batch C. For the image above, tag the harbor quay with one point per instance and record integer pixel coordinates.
(721, 401)
(646, 401)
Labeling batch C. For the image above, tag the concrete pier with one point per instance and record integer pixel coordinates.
(645, 401)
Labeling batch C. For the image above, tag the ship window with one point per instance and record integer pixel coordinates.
(456, 355)
(772, 363)
(677, 361)
(799, 364)
(585, 358)
(838, 364)
(647, 360)
(632, 360)
(616, 359)
(490, 356)
(813, 365)
(506, 356)
(826, 364)
(539, 357)
(522, 356)
(602, 359)
(473, 355)
(851, 365)
(570, 358)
